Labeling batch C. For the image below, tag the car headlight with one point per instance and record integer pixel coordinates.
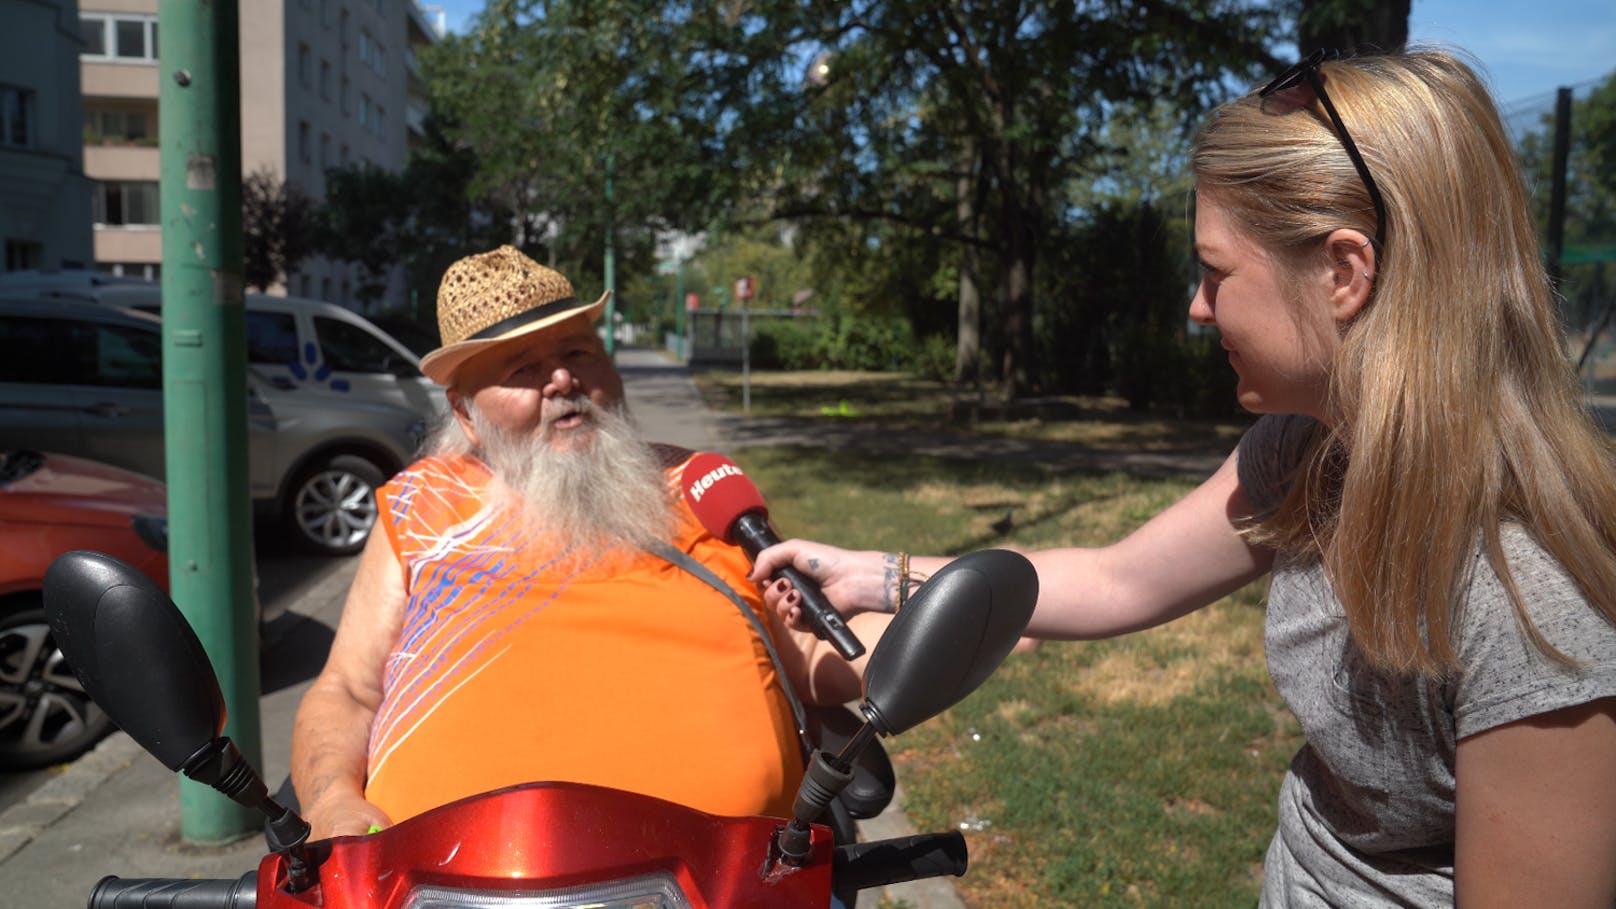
(652, 891)
(152, 530)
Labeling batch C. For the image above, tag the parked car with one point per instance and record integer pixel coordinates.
(294, 344)
(51, 504)
(85, 378)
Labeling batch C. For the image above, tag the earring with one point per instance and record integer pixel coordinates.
(1367, 278)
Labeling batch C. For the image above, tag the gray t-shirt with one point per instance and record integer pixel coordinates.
(1366, 810)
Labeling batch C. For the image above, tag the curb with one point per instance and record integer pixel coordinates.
(22, 822)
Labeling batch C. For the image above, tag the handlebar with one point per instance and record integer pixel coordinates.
(860, 866)
(170, 893)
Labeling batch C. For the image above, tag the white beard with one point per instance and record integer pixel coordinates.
(608, 497)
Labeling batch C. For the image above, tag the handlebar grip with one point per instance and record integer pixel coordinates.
(860, 866)
(175, 893)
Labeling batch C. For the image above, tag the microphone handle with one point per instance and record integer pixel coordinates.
(754, 534)
(823, 617)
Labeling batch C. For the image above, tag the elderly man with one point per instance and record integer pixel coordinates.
(512, 623)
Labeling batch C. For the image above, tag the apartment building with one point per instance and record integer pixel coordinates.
(324, 83)
(44, 194)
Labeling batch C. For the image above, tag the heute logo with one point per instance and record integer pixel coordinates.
(700, 487)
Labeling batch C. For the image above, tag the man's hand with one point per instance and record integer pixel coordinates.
(344, 815)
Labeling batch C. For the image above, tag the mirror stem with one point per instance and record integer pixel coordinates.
(220, 764)
(827, 776)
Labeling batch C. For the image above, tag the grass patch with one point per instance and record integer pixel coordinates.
(1136, 771)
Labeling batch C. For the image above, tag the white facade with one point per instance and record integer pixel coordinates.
(44, 195)
(324, 83)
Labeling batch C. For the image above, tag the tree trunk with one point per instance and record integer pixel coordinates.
(1020, 250)
(968, 352)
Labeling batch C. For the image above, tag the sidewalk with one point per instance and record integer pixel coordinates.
(117, 810)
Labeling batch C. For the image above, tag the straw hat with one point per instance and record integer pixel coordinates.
(494, 297)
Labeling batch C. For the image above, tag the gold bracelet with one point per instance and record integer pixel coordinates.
(903, 580)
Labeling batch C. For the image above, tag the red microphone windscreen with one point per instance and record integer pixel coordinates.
(719, 493)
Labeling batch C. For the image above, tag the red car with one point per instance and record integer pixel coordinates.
(50, 504)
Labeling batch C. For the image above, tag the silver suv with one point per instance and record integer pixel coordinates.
(83, 378)
(294, 345)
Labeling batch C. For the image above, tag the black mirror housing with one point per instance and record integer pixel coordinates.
(165, 696)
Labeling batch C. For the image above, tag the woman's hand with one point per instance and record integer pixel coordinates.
(853, 582)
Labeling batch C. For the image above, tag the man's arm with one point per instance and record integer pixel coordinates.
(331, 735)
(817, 672)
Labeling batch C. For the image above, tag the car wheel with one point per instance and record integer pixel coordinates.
(45, 715)
(332, 505)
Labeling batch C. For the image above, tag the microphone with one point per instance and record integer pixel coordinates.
(729, 505)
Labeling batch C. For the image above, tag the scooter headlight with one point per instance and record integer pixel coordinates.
(652, 891)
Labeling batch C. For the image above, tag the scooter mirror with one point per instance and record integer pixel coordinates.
(948, 638)
(135, 654)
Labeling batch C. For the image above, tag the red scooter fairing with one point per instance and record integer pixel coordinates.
(548, 838)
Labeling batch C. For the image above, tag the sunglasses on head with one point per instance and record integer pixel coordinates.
(1305, 76)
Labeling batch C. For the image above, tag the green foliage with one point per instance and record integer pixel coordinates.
(279, 223)
(365, 213)
(839, 341)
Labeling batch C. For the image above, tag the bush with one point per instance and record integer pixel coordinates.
(835, 342)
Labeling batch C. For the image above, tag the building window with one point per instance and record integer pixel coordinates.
(305, 284)
(342, 156)
(325, 289)
(113, 125)
(21, 254)
(365, 113)
(124, 37)
(342, 29)
(325, 150)
(16, 116)
(305, 66)
(125, 202)
(325, 13)
(345, 95)
(303, 153)
(325, 80)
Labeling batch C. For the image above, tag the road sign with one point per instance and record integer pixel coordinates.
(745, 285)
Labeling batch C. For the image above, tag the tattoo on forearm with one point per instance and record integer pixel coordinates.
(813, 564)
(889, 581)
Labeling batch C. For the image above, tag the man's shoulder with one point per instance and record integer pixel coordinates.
(436, 469)
(671, 456)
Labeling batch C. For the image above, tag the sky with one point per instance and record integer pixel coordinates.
(1528, 49)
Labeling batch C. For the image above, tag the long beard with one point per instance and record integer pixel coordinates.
(607, 498)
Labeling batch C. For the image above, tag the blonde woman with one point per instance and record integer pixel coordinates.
(1435, 507)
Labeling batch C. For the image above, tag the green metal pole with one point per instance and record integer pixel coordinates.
(611, 257)
(204, 376)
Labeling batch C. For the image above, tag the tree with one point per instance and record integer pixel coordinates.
(365, 210)
(913, 85)
(1352, 25)
(279, 223)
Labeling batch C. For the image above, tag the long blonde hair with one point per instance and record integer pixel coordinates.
(1455, 409)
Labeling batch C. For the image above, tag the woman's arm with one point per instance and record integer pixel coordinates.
(1187, 556)
(331, 734)
(1536, 812)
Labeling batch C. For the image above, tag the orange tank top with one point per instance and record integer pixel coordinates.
(509, 670)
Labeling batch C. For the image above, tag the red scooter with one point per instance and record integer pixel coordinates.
(550, 845)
